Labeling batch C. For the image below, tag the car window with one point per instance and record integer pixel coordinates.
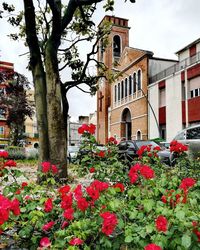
(180, 136)
(193, 133)
(146, 143)
(130, 144)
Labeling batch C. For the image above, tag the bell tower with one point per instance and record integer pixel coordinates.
(118, 40)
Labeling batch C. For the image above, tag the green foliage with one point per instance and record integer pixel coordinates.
(16, 153)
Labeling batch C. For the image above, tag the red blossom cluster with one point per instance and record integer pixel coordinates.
(101, 154)
(3, 154)
(48, 205)
(48, 167)
(92, 170)
(112, 140)
(195, 224)
(85, 128)
(144, 170)
(120, 186)
(186, 183)
(147, 149)
(109, 223)
(76, 242)
(161, 223)
(7, 206)
(178, 147)
(152, 247)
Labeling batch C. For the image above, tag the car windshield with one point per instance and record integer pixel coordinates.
(73, 149)
(146, 143)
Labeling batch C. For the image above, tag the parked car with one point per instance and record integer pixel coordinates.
(191, 137)
(128, 150)
(72, 153)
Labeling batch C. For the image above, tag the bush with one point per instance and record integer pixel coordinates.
(16, 153)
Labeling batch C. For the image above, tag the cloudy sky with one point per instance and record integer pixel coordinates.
(161, 26)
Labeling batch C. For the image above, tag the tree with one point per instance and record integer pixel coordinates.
(53, 32)
(14, 101)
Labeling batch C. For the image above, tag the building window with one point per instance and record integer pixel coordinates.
(130, 85)
(126, 87)
(116, 46)
(196, 92)
(122, 89)
(1, 130)
(115, 93)
(118, 91)
(162, 97)
(134, 82)
(139, 135)
(139, 79)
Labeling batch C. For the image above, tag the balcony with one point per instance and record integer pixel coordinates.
(175, 68)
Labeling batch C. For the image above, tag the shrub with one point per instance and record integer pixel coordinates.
(16, 153)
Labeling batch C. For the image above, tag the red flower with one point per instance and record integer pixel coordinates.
(63, 190)
(101, 154)
(48, 226)
(152, 247)
(69, 214)
(10, 163)
(3, 154)
(112, 140)
(92, 170)
(15, 207)
(82, 204)
(161, 224)
(109, 222)
(177, 147)
(78, 192)
(76, 242)
(18, 191)
(187, 183)
(80, 130)
(164, 199)
(136, 167)
(92, 129)
(92, 192)
(48, 205)
(45, 166)
(64, 224)
(45, 242)
(54, 169)
(133, 177)
(120, 186)
(99, 185)
(24, 184)
(147, 172)
(157, 148)
(67, 201)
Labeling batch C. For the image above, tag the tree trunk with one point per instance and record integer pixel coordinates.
(56, 130)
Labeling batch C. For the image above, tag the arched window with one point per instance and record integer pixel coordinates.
(139, 79)
(116, 46)
(118, 91)
(134, 82)
(115, 93)
(122, 89)
(126, 87)
(130, 85)
(139, 135)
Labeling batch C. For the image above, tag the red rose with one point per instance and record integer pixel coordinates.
(109, 223)
(80, 130)
(92, 170)
(78, 192)
(147, 172)
(64, 189)
(10, 163)
(187, 183)
(82, 204)
(133, 177)
(48, 205)
(48, 226)
(67, 201)
(161, 224)
(3, 154)
(45, 242)
(45, 166)
(92, 129)
(69, 214)
(157, 148)
(100, 185)
(152, 247)
(92, 192)
(76, 242)
(120, 186)
(54, 169)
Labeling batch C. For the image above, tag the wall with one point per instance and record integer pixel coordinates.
(156, 66)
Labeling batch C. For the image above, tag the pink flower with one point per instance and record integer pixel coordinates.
(45, 242)
(161, 224)
(76, 241)
(45, 166)
(48, 226)
(48, 205)
(152, 247)
(54, 169)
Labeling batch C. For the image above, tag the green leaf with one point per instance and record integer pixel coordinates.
(148, 204)
(149, 228)
(186, 241)
(128, 239)
(180, 215)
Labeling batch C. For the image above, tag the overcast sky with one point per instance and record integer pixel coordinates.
(161, 26)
